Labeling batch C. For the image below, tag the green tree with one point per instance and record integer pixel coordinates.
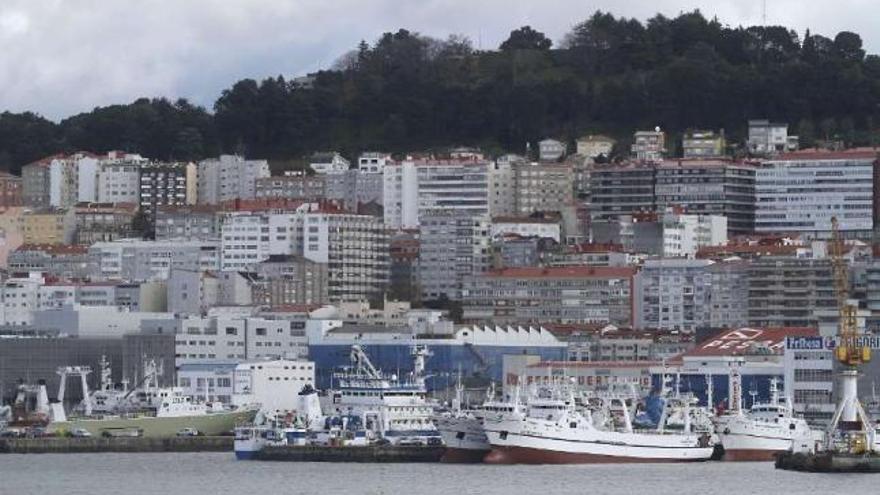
(526, 38)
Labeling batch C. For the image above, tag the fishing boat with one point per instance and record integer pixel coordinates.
(551, 430)
(763, 431)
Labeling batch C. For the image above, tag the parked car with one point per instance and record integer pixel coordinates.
(80, 433)
(188, 432)
(411, 441)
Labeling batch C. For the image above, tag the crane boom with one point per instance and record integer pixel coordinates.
(848, 350)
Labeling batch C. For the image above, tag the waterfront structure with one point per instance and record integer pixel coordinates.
(271, 383)
(294, 184)
(703, 144)
(801, 192)
(221, 338)
(649, 146)
(229, 177)
(467, 350)
(49, 226)
(673, 294)
(809, 378)
(188, 223)
(595, 146)
(453, 245)
(550, 295)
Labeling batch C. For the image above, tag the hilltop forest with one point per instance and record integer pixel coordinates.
(408, 92)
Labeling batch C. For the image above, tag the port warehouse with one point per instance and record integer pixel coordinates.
(37, 356)
(472, 350)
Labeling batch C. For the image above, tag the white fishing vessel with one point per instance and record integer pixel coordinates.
(552, 430)
(462, 429)
(149, 411)
(764, 430)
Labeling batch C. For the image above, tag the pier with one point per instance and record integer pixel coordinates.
(69, 445)
(372, 453)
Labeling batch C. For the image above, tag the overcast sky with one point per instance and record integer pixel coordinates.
(61, 57)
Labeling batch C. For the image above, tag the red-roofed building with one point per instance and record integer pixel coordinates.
(550, 295)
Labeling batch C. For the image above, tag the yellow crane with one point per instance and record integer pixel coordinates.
(848, 350)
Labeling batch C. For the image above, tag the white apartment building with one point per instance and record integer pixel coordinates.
(684, 234)
(137, 260)
(673, 294)
(328, 163)
(525, 227)
(413, 187)
(502, 186)
(119, 181)
(372, 162)
(801, 192)
(223, 338)
(649, 145)
(247, 238)
(551, 150)
(767, 138)
(274, 384)
(595, 146)
(20, 297)
(809, 378)
(229, 177)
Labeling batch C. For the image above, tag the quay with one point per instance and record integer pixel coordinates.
(370, 453)
(69, 445)
(827, 462)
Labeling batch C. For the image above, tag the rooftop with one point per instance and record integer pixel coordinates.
(563, 272)
(742, 341)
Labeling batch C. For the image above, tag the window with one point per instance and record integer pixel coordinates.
(231, 331)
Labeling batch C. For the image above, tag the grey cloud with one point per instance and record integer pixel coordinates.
(59, 57)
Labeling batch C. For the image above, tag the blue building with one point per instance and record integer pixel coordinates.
(473, 350)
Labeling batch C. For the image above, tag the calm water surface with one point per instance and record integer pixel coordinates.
(220, 474)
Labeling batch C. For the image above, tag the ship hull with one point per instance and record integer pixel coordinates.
(751, 455)
(528, 455)
(532, 441)
(465, 439)
(161, 427)
(747, 440)
(455, 455)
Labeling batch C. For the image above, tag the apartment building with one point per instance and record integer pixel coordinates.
(98, 222)
(649, 146)
(189, 223)
(229, 177)
(452, 246)
(703, 144)
(521, 296)
(673, 294)
(137, 260)
(166, 184)
(543, 187)
(49, 226)
(787, 291)
(801, 192)
(11, 193)
(293, 185)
